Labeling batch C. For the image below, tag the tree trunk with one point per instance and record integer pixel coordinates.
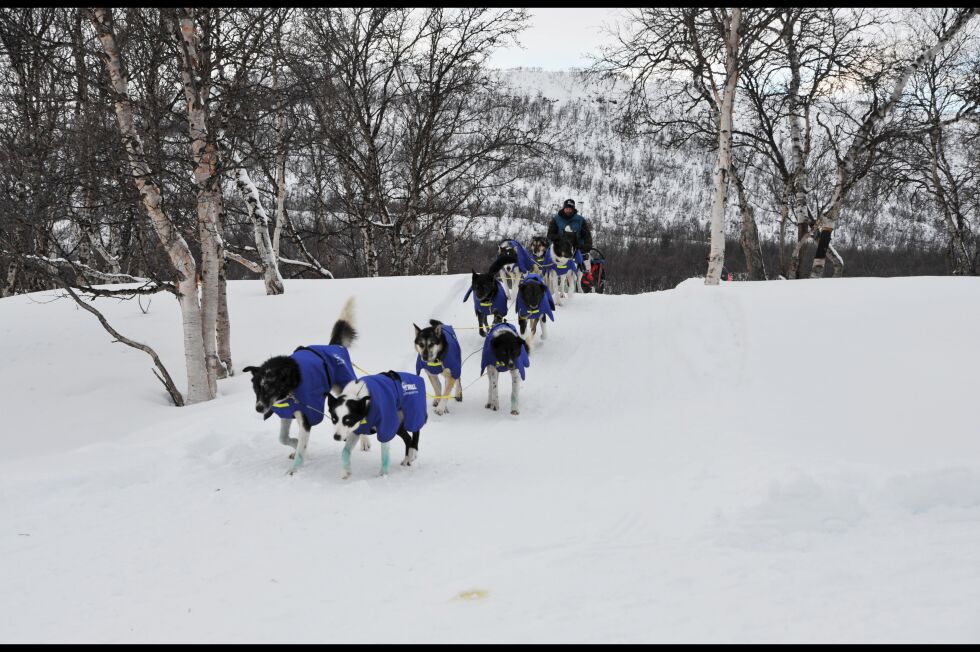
(198, 386)
(961, 257)
(749, 235)
(260, 229)
(716, 257)
(206, 178)
(783, 216)
(280, 166)
(370, 252)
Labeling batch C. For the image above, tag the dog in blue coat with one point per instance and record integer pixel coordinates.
(294, 387)
(388, 404)
(504, 350)
(440, 355)
(489, 296)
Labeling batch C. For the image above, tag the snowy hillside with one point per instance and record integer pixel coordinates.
(637, 188)
(760, 462)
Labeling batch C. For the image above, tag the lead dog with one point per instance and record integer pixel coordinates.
(504, 350)
(294, 386)
(440, 355)
(384, 404)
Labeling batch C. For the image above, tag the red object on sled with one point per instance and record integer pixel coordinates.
(594, 279)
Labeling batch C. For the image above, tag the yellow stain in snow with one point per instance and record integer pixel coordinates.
(475, 594)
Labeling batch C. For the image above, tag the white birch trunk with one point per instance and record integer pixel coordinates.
(716, 257)
(260, 228)
(198, 387)
(208, 195)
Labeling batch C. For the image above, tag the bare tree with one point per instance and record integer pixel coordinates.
(855, 162)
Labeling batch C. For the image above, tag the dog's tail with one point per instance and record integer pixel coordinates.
(343, 330)
(506, 259)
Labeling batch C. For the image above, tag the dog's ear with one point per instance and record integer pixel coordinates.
(362, 405)
(475, 275)
(250, 368)
(438, 330)
(417, 329)
(334, 401)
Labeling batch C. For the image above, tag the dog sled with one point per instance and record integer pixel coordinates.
(594, 279)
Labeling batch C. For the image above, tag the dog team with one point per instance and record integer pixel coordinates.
(299, 387)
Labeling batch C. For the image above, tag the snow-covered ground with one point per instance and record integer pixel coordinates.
(781, 461)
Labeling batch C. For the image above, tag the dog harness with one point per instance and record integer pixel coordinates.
(568, 267)
(452, 357)
(488, 359)
(544, 309)
(388, 397)
(525, 261)
(545, 262)
(497, 305)
(320, 368)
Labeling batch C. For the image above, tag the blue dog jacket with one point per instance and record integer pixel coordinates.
(525, 262)
(546, 306)
(452, 358)
(488, 361)
(498, 305)
(320, 367)
(387, 398)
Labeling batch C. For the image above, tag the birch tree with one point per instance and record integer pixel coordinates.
(200, 378)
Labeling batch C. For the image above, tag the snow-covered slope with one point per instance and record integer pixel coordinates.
(752, 462)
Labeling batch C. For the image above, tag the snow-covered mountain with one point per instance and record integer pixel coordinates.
(638, 187)
(678, 472)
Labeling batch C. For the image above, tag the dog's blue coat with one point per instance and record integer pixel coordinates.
(488, 361)
(326, 365)
(545, 307)
(388, 396)
(566, 268)
(452, 357)
(525, 261)
(499, 303)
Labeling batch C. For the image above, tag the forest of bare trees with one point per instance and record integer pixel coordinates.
(149, 150)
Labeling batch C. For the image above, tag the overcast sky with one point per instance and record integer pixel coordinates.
(558, 39)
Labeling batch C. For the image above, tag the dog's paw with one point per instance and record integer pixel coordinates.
(459, 397)
(365, 444)
(441, 410)
(515, 412)
(344, 475)
(412, 454)
(292, 455)
(435, 403)
(383, 473)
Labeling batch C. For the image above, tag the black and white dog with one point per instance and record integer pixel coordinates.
(387, 404)
(293, 387)
(489, 296)
(509, 274)
(566, 269)
(534, 306)
(504, 350)
(440, 355)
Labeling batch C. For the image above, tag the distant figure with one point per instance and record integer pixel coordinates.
(570, 224)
